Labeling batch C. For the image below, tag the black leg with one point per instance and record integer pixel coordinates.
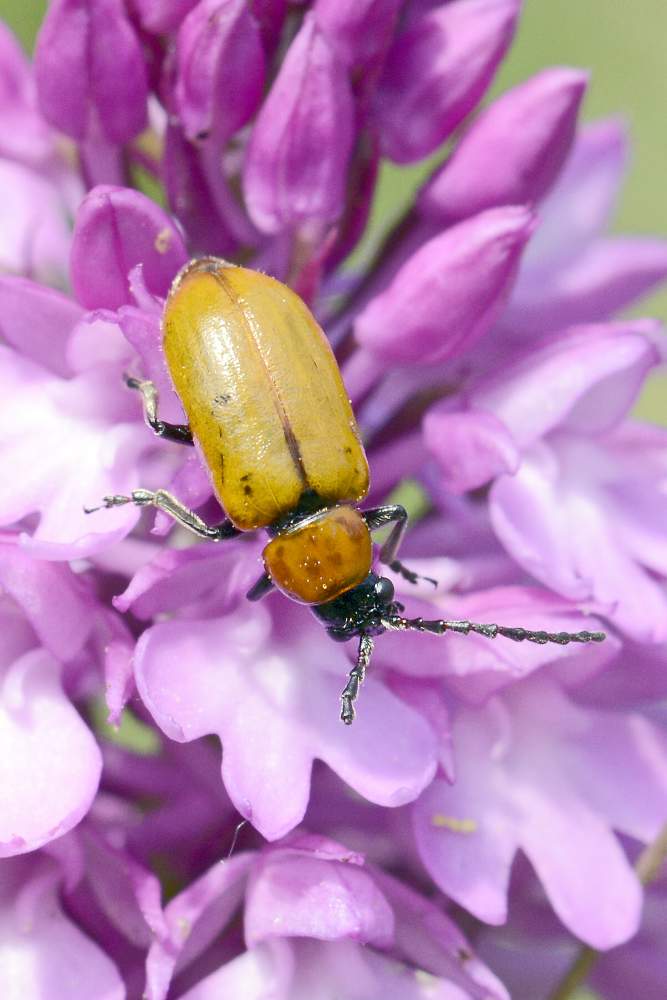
(180, 433)
(440, 626)
(170, 505)
(260, 588)
(355, 679)
(394, 514)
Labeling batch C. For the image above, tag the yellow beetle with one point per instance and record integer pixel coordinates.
(267, 407)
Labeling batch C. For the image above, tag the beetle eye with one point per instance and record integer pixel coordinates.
(384, 589)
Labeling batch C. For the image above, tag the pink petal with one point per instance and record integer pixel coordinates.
(295, 895)
(520, 760)
(466, 838)
(54, 601)
(209, 572)
(475, 667)
(24, 135)
(594, 374)
(606, 276)
(49, 762)
(36, 234)
(579, 206)
(193, 919)
(589, 881)
(264, 972)
(625, 775)
(555, 525)
(275, 708)
(470, 447)
(428, 939)
(67, 453)
(46, 954)
(142, 330)
(36, 321)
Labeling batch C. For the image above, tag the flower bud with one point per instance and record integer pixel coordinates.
(117, 228)
(449, 292)
(436, 72)
(162, 16)
(359, 30)
(513, 152)
(220, 68)
(297, 157)
(90, 70)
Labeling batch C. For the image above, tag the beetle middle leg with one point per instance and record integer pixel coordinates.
(170, 505)
(180, 433)
(397, 515)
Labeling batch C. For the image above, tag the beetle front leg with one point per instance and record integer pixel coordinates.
(397, 515)
(180, 433)
(174, 508)
(355, 679)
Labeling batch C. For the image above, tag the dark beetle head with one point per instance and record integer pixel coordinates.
(360, 610)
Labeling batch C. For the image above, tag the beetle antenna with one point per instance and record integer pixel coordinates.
(355, 679)
(440, 626)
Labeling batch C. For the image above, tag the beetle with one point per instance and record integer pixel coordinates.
(268, 410)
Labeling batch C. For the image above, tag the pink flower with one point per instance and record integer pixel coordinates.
(485, 364)
(50, 764)
(312, 917)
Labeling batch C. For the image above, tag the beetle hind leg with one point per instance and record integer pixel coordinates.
(180, 433)
(174, 508)
(355, 680)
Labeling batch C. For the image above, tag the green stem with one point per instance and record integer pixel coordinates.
(647, 867)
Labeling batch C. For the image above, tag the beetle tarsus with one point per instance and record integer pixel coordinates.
(355, 679)
(180, 433)
(170, 505)
(117, 500)
(396, 515)
(409, 574)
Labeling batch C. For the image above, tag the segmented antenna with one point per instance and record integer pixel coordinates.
(440, 626)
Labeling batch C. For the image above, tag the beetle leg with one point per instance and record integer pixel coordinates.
(440, 626)
(355, 679)
(180, 433)
(170, 505)
(397, 515)
(260, 588)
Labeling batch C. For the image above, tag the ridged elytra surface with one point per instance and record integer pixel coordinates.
(262, 393)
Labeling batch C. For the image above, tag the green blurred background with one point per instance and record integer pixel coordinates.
(624, 45)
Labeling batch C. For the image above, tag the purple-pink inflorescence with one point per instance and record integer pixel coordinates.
(519, 782)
